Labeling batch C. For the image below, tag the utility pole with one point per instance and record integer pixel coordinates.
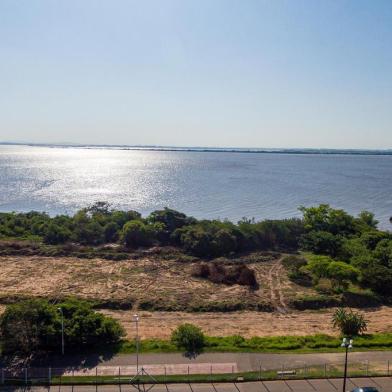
(62, 330)
(347, 344)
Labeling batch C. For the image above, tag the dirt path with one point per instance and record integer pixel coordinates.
(274, 279)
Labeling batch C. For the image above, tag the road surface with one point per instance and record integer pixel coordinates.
(384, 384)
(244, 361)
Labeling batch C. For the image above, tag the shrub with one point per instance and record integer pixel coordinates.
(349, 323)
(296, 272)
(55, 234)
(322, 242)
(188, 337)
(35, 325)
(341, 274)
(217, 273)
(135, 233)
(377, 277)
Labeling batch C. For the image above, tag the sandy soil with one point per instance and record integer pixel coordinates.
(170, 281)
(247, 324)
(165, 282)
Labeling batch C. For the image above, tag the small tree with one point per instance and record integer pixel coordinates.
(341, 274)
(35, 325)
(349, 323)
(188, 337)
(136, 233)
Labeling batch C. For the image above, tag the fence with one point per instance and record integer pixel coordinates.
(189, 373)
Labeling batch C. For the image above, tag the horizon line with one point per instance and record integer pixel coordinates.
(150, 147)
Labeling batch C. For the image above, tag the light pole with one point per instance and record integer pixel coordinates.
(62, 330)
(135, 319)
(346, 344)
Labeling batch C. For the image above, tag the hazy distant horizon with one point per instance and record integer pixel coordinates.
(157, 147)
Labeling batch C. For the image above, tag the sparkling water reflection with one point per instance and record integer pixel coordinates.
(203, 184)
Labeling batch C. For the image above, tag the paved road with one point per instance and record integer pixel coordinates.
(244, 361)
(384, 384)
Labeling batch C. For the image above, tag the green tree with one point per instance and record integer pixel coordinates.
(322, 242)
(377, 277)
(135, 233)
(341, 274)
(318, 266)
(29, 326)
(348, 322)
(35, 325)
(188, 337)
(55, 234)
(325, 218)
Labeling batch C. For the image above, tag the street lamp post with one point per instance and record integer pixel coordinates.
(135, 319)
(347, 344)
(62, 330)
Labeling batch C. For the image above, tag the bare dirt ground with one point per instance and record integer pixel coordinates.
(169, 282)
(165, 284)
(247, 324)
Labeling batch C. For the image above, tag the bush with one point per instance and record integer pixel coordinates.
(341, 274)
(136, 233)
(377, 277)
(55, 234)
(35, 325)
(315, 302)
(188, 337)
(322, 242)
(349, 323)
(296, 271)
(217, 273)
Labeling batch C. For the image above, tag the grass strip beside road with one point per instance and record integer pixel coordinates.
(274, 344)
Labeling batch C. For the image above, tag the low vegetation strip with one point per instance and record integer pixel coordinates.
(276, 344)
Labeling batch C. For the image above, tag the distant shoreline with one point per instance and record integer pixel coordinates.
(302, 151)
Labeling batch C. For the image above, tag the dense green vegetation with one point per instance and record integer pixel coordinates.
(340, 253)
(188, 337)
(35, 325)
(98, 225)
(350, 323)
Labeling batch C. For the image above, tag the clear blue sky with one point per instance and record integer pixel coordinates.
(197, 73)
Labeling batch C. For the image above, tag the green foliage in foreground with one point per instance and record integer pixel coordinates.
(35, 325)
(188, 337)
(350, 323)
(236, 343)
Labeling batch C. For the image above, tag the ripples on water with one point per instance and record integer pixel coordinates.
(203, 184)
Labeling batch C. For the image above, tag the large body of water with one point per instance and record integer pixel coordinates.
(202, 184)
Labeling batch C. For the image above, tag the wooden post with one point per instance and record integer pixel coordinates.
(119, 375)
(50, 375)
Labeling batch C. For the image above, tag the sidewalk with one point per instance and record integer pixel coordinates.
(244, 361)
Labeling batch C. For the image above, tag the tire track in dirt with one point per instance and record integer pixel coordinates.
(275, 285)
